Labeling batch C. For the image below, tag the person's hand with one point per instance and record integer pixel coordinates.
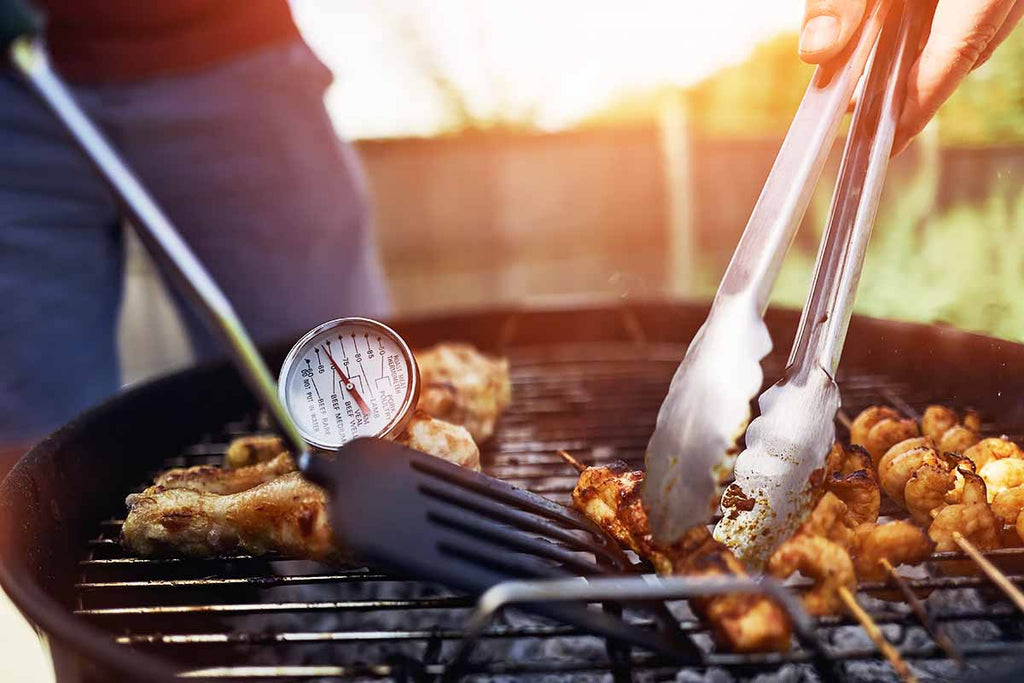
(963, 35)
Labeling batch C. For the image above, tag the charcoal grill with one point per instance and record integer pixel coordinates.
(587, 380)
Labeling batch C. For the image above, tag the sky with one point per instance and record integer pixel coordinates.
(552, 62)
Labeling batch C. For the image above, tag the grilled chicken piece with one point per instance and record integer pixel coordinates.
(208, 510)
(423, 433)
(250, 450)
(223, 480)
(610, 496)
(442, 439)
(463, 386)
(286, 515)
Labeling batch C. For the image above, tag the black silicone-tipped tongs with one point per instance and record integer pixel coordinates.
(398, 509)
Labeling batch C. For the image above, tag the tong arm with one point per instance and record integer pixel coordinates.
(826, 315)
(779, 209)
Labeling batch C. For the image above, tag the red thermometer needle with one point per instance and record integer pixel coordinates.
(348, 384)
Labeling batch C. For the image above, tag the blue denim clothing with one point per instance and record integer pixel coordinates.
(246, 163)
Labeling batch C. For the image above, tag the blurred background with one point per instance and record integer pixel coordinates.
(523, 150)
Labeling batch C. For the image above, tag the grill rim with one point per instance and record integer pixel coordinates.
(23, 491)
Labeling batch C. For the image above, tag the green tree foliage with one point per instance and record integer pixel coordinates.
(988, 109)
(963, 266)
(758, 97)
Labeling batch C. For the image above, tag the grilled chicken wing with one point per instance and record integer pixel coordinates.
(286, 515)
(251, 450)
(463, 386)
(222, 480)
(610, 496)
(208, 510)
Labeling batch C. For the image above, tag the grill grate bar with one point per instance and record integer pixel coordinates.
(143, 562)
(272, 607)
(255, 581)
(528, 631)
(342, 636)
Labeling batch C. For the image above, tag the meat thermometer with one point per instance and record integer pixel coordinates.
(348, 378)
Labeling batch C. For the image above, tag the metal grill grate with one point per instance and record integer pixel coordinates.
(269, 617)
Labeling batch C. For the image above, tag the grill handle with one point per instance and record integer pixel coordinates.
(155, 230)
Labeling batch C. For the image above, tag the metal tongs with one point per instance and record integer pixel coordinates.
(707, 407)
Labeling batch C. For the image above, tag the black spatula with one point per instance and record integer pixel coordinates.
(422, 517)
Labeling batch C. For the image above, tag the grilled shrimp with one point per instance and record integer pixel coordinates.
(859, 491)
(968, 489)
(899, 541)
(828, 564)
(950, 433)
(957, 439)
(847, 460)
(878, 428)
(975, 521)
(1008, 503)
(895, 469)
(884, 463)
(992, 448)
(831, 519)
(926, 490)
(936, 420)
(868, 418)
(1000, 475)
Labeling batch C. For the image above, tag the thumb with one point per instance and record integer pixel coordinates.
(828, 25)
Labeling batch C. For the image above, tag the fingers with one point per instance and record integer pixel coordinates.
(963, 32)
(1010, 23)
(828, 25)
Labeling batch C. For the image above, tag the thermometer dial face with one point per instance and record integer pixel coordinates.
(348, 378)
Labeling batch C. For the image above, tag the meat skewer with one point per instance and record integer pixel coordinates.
(610, 497)
(994, 574)
(876, 635)
(939, 636)
(821, 550)
(972, 507)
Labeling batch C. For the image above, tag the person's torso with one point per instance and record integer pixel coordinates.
(123, 40)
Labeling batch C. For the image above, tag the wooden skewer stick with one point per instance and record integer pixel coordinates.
(876, 635)
(940, 638)
(844, 419)
(993, 572)
(580, 467)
